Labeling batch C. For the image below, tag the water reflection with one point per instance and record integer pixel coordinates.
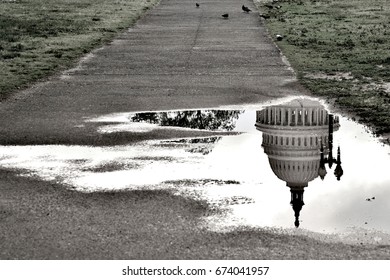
(196, 119)
(298, 139)
(302, 143)
(196, 145)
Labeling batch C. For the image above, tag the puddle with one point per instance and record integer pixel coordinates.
(266, 174)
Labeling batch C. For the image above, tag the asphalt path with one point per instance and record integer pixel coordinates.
(176, 57)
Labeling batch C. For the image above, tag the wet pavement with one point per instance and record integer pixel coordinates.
(292, 166)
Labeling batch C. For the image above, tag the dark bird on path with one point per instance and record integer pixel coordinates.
(265, 16)
(197, 5)
(225, 15)
(279, 37)
(246, 9)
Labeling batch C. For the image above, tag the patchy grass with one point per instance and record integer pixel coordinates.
(340, 50)
(40, 37)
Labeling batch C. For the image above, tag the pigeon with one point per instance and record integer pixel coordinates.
(246, 9)
(225, 15)
(197, 5)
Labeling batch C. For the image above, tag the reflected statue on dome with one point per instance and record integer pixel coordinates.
(298, 139)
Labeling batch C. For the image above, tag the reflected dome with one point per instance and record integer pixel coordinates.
(292, 136)
(296, 137)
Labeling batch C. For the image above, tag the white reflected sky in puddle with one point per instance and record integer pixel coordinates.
(331, 206)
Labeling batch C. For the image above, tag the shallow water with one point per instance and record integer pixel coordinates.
(234, 172)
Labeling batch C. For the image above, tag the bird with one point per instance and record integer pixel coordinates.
(225, 15)
(197, 5)
(246, 9)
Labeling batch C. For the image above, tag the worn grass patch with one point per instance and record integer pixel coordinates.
(40, 37)
(340, 50)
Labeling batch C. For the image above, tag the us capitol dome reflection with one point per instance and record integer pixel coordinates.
(298, 139)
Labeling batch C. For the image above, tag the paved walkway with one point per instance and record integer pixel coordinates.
(176, 57)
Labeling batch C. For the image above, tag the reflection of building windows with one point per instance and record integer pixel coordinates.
(306, 118)
(299, 117)
(285, 121)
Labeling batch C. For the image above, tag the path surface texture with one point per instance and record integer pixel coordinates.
(176, 57)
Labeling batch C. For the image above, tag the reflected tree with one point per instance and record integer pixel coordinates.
(145, 117)
(204, 140)
(199, 119)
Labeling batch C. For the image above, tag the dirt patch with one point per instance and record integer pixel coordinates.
(338, 76)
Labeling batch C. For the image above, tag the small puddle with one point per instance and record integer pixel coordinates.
(291, 167)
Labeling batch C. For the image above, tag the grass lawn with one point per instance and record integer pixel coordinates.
(340, 50)
(40, 37)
